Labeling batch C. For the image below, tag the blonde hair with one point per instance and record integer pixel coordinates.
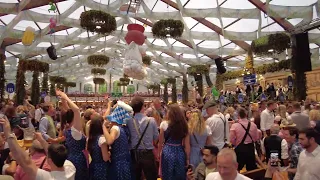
(196, 123)
(156, 116)
(20, 109)
(229, 110)
(314, 115)
(282, 111)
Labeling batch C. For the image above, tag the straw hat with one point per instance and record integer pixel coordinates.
(287, 122)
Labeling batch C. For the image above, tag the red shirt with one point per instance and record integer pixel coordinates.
(37, 158)
(237, 132)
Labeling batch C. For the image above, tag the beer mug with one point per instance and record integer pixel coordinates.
(28, 134)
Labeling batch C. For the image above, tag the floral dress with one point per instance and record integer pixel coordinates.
(120, 166)
(77, 155)
(98, 167)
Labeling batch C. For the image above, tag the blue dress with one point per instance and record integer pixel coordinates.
(77, 156)
(173, 159)
(196, 146)
(120, 166)
(98, 167)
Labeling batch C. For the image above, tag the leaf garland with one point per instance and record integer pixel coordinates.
(20, 83)
(58, 80)
(164, 27)
(45, 85)
(278, 42)
(198, 69)
(171, 80)
(146, 60)
(124, 79)
(123, 83)
(98, 22)
(98, 71)
(34, 65)
(70, 84)
(273, 67)
(35, 93)
(2, 77)
(99, 80)
(98, 60)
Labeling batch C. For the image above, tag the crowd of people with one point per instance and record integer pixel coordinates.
(133, 140)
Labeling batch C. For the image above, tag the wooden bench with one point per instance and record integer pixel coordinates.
(257, 174)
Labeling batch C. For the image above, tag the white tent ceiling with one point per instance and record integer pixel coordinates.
(212, 28)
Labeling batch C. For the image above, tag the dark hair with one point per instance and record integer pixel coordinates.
(66, 118)
(294, 132)
(58, 154)
(242, 113)
(137, 104)
(269, 103)
(214, 150)
(177, 123)
(297, 105)
(95, 131)
(310, 133)
(257, 120)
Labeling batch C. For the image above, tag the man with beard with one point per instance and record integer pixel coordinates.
(309, 159)
(209, 164)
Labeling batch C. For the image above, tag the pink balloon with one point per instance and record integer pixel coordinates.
(53, 23)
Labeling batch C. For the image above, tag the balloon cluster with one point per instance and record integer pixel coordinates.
(132, 65)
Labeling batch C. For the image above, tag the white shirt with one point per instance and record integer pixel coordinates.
(308, 165)
(284, 149)
(216, 176)
(216, 126)
(267, 120)
(68, 173)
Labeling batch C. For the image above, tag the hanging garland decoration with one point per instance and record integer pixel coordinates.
(198, 69)
(146, 60)
(164, 82)
(124, 79)
(34, 65)
(98, 60)
(173, 81)
(35, 93)
(45, 85)
(70, 84)
(98, 22)
(185, 89)
(266, 68)
(278, 42)
(2, 78)
(168, 28)
(58, 80)
(98, 71)
(123, 83)
(99, 81)
(28, 65)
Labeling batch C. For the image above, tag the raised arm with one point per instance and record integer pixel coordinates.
(107, 111)
(77, 118)
(18, 153)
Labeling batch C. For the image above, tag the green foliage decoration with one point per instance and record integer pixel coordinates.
(98, 21)
(34, 65)
(99, 81)
(125, 79)
(2, 77)
(58, 80)
(98, 60)
(164, 27)
(45, 85)
(35, 93)
(198, 69)
(273, 67)
(70, 84)
(20, 83)
(278, 42)
(98, 71)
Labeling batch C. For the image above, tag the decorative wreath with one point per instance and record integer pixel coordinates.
(98, 71)
(278, 42)
(198, 69)
(146, 60)
(98, 60)
(98, 81)
(33, 65)
(58, 80)
(124, 79)
(162, 28)
(70, 84)
(98, 22)
(123, 83)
